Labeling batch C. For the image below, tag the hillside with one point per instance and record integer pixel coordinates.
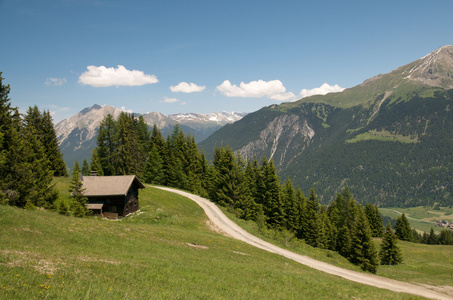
(167, 251)
(389, 139)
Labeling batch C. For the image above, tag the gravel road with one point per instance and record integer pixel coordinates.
(231, 229)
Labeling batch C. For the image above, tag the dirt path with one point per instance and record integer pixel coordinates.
(230, 228)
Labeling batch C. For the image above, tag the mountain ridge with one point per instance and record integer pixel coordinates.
(77, 135)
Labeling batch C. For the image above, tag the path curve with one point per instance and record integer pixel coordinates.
(232, 229)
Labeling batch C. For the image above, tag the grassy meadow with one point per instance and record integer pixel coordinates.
(168, 251)
(421, 218)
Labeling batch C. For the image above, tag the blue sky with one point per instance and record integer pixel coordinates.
(205, 56)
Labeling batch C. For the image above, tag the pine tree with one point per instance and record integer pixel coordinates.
(432, 238)
(46, 135)
(153, 167)
(25, 177)
(107, 145)
(35, 182)
(312, 220)
(95, 165)
(403, 228)
(85, 168)
(390, 253)
(363, 252)
(445, 237)
(375, 220)
(291, 206)
(273, 205)
(76, 189)
(10, 145)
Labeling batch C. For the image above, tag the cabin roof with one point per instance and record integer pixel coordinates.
(97, 186)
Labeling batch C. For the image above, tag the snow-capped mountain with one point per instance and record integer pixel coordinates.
(77, 135)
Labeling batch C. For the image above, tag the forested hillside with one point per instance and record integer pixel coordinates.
(389, 139)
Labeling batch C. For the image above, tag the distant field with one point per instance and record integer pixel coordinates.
(421, 218)
(383, 135)
(168, 251)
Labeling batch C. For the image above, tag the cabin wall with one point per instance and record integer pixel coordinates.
(131, 202)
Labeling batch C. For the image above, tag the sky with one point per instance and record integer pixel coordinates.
(205, 56)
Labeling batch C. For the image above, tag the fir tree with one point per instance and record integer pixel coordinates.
(403, 228)
(95, 165)
(153, 167)
(375, 220)
(445, 237)
(85, 168)
(107, 145)
(312, 220)
(390, 253)
(363, 252)
(432, 238)
(273, 205)
(76, 189)
(42, 123)
(25, 176)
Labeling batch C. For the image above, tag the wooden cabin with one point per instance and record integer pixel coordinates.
(112, 196)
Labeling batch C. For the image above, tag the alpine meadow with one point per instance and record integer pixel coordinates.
(356, 179)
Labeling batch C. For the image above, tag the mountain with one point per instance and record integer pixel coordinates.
(389, 139)
(77, 135)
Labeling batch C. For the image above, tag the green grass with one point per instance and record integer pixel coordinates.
(421, 218)
(422, 264)
(167, 251)
(384, 136)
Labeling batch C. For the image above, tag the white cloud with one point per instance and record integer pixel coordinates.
(185, 87)
(103, 77)
(169, 100)
(55, 81)
(322, 90)
(123, 108)
(273, 89)
(284, 97)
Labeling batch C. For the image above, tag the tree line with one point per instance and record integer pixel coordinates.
(29, 155)
(250, 189)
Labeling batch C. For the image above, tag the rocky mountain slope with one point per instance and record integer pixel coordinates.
(389, 138)
(77, 135)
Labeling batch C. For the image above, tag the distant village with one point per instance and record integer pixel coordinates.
(444, 224)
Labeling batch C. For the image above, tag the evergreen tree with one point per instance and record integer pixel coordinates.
(301, 228)
(403, 228)
(363, 252)
(390, 253)
(157, 140)
(375, 220)
(25, 176)
(76, 189)
(35, 182)
(432, 238)
(445, 237)
(10, 145)
(107, 145)
(95, 165)
(291, 206)
(273, 205)
(46, 135)
(153, 167)
(85, 168)
(343, 245)
(312, 220)
(225, 182)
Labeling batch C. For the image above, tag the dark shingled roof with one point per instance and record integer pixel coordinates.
(109, 185)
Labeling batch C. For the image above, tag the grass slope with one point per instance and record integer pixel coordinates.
(422, 218)
(166, 252)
